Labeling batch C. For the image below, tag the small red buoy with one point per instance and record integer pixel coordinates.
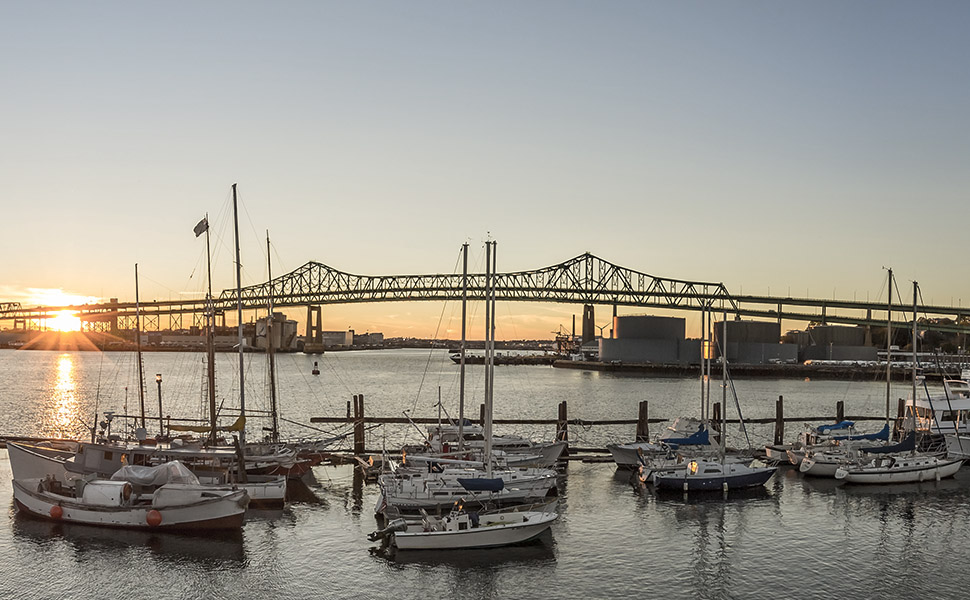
(154, 518)
(57, 512)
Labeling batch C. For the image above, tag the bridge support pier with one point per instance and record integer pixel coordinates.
(589, 324)
(314, 330)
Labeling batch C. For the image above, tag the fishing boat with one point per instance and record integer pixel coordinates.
(174, 500)
(461, 529)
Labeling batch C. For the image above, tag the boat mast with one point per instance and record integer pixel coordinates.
(724, 386)
(489, 351)
(141, 368)
(461, 380)
(210, 342)
(703, 329)
(239, 315)
(889, 341)
(915, 294)
(270, 350)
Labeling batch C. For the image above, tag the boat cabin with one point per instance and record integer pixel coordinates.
(946, 413)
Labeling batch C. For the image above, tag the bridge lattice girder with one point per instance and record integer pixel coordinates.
(585, 279)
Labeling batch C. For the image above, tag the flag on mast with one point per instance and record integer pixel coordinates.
(201, 227)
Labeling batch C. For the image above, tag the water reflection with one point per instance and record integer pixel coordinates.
(63, 410)
(484, 560)
(224, 549)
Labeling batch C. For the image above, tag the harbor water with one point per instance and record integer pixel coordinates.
(796, 538)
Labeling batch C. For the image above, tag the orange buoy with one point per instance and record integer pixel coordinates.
(154, 518)
(57, 512)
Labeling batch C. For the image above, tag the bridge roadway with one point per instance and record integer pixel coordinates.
(585, 279)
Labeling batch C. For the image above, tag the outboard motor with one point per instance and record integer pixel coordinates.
(395, 525)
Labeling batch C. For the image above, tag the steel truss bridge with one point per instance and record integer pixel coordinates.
(586, 280)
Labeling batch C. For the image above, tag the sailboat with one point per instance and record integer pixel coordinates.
(825, 459)
(410, 490)
(705, 473)
(461, 528)
(901, 463)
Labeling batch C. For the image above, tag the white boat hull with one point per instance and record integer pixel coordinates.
(35, 462)
(213, 510)
(900, 470)
(495, 530)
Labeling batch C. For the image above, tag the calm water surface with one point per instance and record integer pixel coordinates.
(797, 538)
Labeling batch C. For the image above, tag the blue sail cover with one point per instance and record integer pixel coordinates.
(481, 484)
(882, 434)
(698, 438)
(908, 443)
(824, 429)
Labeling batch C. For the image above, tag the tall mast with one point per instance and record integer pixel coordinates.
(210, 342)
(461, 380)
(239, 315)
(489, 350)
(889, 341)
(724, 386)
(271, 353)
(141, 369)
(915, 294)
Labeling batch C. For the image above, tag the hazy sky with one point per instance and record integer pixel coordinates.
(782, 147)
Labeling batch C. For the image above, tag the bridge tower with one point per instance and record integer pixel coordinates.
(314, 330)
(589, 324)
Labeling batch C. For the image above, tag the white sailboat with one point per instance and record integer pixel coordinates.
(411, 490)
(901, 464)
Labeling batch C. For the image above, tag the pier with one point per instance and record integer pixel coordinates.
(357, 417)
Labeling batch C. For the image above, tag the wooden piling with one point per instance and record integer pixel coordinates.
(840, 411)
(900, 415)
(359, 424)
(481, 416)
(562, 431)
(348, 409)
(780, 421)
(643, 421)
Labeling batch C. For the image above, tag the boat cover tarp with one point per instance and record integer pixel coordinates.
(170, 472)
(238, 425)
(908, 443)
(882, 434)
(698, 438)
(824, 429)
(482, 484)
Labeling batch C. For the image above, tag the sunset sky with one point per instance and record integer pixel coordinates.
(778, 147)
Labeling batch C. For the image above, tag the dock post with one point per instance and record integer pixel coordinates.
(562, 431)
(481, 416)
(900, 415)
(840, 411)
(359, 424)
(348, 408)
(780, 421)
(643, 423)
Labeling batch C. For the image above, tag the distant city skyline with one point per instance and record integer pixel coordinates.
(780, 148)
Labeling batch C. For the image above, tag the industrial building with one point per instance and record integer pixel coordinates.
(649, 339)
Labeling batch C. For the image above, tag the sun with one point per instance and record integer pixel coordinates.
(66, 320)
